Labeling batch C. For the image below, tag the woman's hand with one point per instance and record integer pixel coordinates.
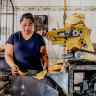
(45, 66)
(15, 69)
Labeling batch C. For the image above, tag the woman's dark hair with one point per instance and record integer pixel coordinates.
(28, 16)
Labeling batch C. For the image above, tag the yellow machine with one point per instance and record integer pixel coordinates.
(76, 39)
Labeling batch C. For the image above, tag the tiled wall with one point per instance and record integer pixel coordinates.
(55, 10)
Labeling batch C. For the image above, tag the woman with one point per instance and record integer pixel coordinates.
(26, 49)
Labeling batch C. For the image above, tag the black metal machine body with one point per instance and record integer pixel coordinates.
(29, 86)
(51, 85)
(88, 85)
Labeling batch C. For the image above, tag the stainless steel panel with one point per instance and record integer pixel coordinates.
(61, 79)
(28, 86)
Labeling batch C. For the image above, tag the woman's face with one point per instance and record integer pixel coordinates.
(26, 25)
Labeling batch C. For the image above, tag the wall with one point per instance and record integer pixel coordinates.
(55, 11)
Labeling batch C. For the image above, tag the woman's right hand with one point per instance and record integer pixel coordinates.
(15, 69)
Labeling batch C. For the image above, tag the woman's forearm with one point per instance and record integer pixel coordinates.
(9, 60)
(45, 61)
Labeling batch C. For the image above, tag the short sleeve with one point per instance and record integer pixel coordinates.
(42, 41)
(10, 39)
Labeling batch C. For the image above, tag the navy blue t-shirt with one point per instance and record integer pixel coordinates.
(26, 53)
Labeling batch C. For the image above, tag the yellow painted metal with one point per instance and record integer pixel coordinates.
(89, 56)
(79, 42)
(64, 23)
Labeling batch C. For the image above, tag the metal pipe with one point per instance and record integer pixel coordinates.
(64, 22)
(13, 16)
(0, 17)
(6, 16)
(64, 12)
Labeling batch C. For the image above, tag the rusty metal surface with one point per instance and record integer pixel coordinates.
(28, 86)
(3, 64)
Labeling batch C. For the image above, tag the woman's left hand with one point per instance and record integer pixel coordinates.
(45, 66)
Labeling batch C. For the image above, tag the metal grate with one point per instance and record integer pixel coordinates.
(6, 19)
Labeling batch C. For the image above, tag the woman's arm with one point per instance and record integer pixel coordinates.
(44, 57)
(9, 58)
